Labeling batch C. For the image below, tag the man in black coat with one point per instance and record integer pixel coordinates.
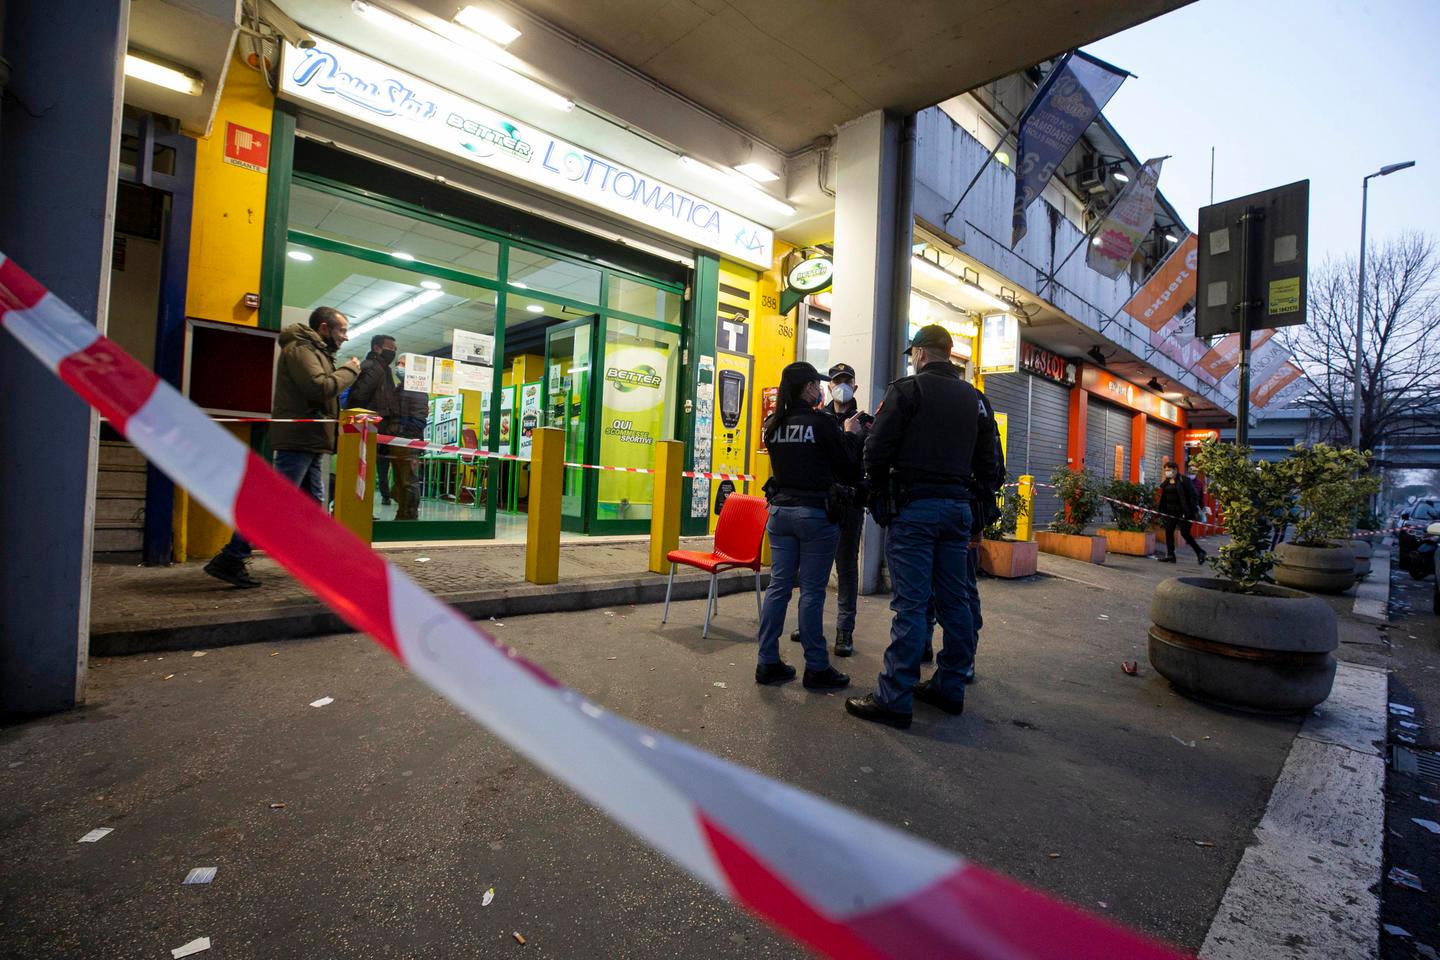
(1179, 503)
(375, 390)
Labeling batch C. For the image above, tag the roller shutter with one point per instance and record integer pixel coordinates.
(1106, 427)
(1159, 447)
(1038, 414)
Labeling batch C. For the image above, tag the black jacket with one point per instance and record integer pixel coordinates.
(1179, 498)
(933, 435)
(375, 390)
(412, 412)
(809, 453)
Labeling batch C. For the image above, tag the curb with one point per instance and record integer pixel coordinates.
(1309, 884)
(314, 620)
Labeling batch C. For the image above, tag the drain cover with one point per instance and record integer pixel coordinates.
(1421, 763)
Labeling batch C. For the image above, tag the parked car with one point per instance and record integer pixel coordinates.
(1411, 533)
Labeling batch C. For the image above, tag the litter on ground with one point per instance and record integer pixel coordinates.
(198, 653)
(489, 897)
(1183, 743)
(1404, 878)
(323, 701)
(1430, 825)
(98, 833)
(200, 875)
(194, 946)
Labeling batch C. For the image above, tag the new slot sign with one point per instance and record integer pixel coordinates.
(342, 81)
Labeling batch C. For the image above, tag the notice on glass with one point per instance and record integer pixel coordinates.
(475, 377)
(467, 347)
(445, 382)
(418, 369)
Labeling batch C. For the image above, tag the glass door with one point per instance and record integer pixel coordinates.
(567, 381)
(639, 365)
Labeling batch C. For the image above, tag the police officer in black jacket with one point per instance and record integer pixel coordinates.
(814, 463)
(930, 439)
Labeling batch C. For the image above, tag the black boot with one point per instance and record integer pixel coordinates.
(1200, 556)
(827, 679)
(1169, 559)
(925, 692)
(232, 572)
(868, 708)
(768, 673)
(844, 643)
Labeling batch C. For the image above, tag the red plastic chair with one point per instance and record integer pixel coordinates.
(738, 537)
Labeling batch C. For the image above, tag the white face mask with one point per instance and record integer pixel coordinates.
(842, 392)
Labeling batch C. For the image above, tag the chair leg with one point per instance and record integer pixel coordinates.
(709, 605)
(668, 587)
(759, 608)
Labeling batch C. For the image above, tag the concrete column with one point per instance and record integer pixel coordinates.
(874, 181)
(59, 152)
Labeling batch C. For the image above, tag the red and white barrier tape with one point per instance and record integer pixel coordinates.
(842, 884)
(268, 419)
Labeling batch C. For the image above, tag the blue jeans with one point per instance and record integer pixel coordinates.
(928, 550)
(300, 468)
(802, 546)
(972, 600)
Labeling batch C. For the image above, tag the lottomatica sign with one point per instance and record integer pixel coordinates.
(342, 81)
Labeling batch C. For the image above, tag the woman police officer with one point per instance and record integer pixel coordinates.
(814, 463)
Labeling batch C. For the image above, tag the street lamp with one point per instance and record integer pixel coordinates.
(1384, 171)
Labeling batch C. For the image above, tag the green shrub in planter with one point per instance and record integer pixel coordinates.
(1127, 518)
(1079, 493)
(1256, 501)
(1013, 508)
(1331, 485)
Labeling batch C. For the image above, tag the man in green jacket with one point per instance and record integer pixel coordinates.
(307, 387)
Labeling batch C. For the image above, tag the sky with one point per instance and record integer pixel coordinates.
(1286, 90)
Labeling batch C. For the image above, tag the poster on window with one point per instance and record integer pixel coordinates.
(468, 347)
(529, 417)
(632, 411)
(418, 368)
(446, 380)
(472, 376)
(704, 424)
(999, 344)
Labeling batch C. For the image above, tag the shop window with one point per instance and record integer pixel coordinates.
(532, 270)
(404, 238)
(643, 300)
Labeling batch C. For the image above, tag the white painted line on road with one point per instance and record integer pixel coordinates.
(1372, 596)
(1308, 886)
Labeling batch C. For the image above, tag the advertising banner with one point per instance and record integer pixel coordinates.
(1177, 341)
(999, 344)
(1222, 357)
(1129, 221)
(1274, 386)
(1062, 109)
(632, 420)
(529, 418)
(353, 85)
(1169, 288)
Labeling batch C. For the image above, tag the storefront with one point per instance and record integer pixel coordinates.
(1032, 402)
(1128, 433)
(525, 286)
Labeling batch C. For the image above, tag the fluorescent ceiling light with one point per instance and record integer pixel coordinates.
(180, 80)
(430, 284)
(743, 184)
(488, 25)
(463, 48)
(757, 172)
(300, 255)
(399, 310)
(930, 269)
(535, 308)
(402, 255)
(1171, 238)
(1120, 176)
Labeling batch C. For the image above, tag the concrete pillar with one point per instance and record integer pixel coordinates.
(874, 180)
(59, 154)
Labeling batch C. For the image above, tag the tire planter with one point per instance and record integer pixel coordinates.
(1088, 549)
(1271, 650)
(1362, 551)
(1316, 569)
(1131, 544)
(1009, 558)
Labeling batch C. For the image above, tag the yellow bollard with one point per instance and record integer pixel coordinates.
(355, 512)
(542, 528)
(1025, 522)
(665, 503)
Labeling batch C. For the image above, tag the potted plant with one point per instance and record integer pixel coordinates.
(1234, 638)
(1001, 555)
(1131, 535)
(1330, 484)
(1080, 501)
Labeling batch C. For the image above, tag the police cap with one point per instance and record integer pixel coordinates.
(842, 370)
(932, 336)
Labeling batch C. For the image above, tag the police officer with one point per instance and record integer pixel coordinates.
(814, 463)
(930, 437)
(844, 408)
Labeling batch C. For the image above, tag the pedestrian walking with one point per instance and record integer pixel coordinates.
(375, 390)
(412, 413)
(929, 439)
(815, 467)
(307, 387)
(1179, 503)
(844, 408)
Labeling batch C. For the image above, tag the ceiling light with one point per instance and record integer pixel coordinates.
(743, 184)
(300, 255)
(430, 284)
(463, 48)
(178, 79)
(757, 172)
(1120, 176)
(487, 25)
(933, 270)
(399, 310)
(1171, 238)
(535, 308)
(1003, 157)
(987, 296)
(402, 255)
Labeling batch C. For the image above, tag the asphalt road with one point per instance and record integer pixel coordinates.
(400, 813)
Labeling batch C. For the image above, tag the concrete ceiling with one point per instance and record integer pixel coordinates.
(789, 70)
(194, 34)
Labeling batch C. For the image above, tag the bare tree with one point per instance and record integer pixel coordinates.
(1400, 370)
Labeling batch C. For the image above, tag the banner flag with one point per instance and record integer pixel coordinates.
(1177, 341)
(1170, 287)
(1062, 109)
(1272, 388)
(1129, 221)
(1224, 355)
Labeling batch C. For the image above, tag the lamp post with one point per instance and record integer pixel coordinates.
(1384, 171)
